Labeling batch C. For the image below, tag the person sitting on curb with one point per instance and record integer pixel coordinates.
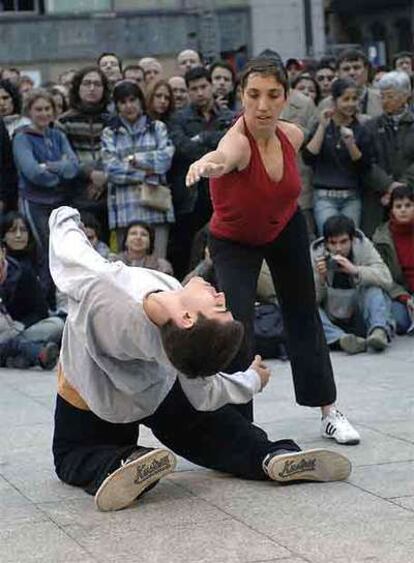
(394, 240)
(138, 348)
(351, 283)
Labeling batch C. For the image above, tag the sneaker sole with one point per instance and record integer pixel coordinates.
(377, 344)
(125, 484)
(311, 465)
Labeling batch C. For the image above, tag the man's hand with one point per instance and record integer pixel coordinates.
(202, 169)
(322, 269)
(345, 265)
(325, 117)
(262, 370)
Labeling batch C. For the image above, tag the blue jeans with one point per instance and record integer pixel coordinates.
(325, 207)
(401, 316)
(374, 307)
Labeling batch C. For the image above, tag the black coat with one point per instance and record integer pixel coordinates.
(8, 176)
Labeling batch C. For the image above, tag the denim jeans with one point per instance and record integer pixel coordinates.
(86, 448)
(401, 316)
(46, 330)
(325, 207)
(374, 307)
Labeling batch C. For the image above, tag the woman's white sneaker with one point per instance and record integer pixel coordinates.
(336, 426)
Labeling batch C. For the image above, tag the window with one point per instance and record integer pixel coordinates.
(19, 5)
(76, 6)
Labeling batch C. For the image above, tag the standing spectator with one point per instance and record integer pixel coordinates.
(60, 100)
(12, 75)
(138, 249)
(180, 91)
(351, 280)
(195, 130)
(66, 77)
(83, 125)
(111, 66)
(308, 86)
(136, 73)
(152, 70)
(11, 107)
(339, 153)
(223, 79)
(160, 101)
(135, 149)
(403, 61)
(325, 74)
(8, 177)
(188, 59)
(25, 85)
(45, 164)
(395, 242)
(392, 140)
(293, 68)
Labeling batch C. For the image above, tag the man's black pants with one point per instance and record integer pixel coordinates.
(237, 268)
(86, 448)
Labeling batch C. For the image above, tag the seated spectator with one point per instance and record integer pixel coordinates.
(11, 107)
(45, 164)
(351, 280)
(135, 73)
(111, 65)
(152, 70)
(188, 59)
(223, 80)
(180, 91)
(391, 136)
(135, 149)
(160, 101)
(83, 125)
(92, 230)
(339, 153)
(308, 86)
(325, 75)
(138, 249)
(395, 242)
(8, 176)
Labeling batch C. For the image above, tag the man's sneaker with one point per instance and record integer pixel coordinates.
(137, 474)
(308, 465)
(336, 426)
(378, 340)
(352, 344)
(48, 355)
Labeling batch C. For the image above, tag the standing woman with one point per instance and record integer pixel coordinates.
(339, 154)
(11, 107)
(45, 164)
(135, 149)
(255, 187)
(160, 101)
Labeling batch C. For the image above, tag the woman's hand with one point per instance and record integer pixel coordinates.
(203, 169)
(325, 117)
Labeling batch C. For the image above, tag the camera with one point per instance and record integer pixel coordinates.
(331, 263)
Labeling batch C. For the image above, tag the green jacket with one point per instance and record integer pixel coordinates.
(384, 243)
(393, 161)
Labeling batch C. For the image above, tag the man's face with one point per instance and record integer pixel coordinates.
(393, 101)
(356, 70)
(340, 244)
(187, 59)
(405, 64)
(11, 75)
(179, 90)
(201, 93)
(135, 74)
(222, 81)
(109, 65)
(152, 71)
(403, 210)
(198, 296)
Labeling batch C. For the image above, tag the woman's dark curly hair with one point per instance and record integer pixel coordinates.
(14, 94)
(74, 99)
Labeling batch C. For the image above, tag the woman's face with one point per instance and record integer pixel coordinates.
(91, 88)
(138, 240)
(17, 237)
(42, 113)
(130, 108)
(263, 99)
(6, 103)
(307, 87)
(347, 103)
(403, 210)
(161, 101)
(58, 98)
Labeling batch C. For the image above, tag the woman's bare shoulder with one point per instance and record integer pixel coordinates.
(293, 133)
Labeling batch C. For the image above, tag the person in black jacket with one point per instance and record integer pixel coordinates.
(8, 176)
(195, 131)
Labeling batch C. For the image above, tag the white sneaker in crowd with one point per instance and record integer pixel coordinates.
(336, 426)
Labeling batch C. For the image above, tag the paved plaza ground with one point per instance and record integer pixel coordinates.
(196, 515)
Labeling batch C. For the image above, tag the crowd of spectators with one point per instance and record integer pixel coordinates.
(116, 141)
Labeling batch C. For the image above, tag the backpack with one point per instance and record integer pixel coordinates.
(269, 332)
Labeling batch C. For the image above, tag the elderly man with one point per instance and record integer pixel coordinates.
(152, 70)
(188, 59)
(180, 92)
(392, 137)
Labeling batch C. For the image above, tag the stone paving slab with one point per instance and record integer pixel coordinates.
(201, 516)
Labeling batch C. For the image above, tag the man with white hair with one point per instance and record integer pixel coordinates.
(392, 141)
(152, 69)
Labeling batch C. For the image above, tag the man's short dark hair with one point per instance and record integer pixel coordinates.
(401, 192)
(132, 67)
(204, 349)
(109, 54)
(401, 55)
(350, 55)
(338, 225)
(196, 73)
(223, 64)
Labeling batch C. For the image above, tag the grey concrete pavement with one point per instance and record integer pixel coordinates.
(199, 516)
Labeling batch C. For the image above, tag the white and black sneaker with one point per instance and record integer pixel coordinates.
(137, 474)
(336, 426)
(308, 465)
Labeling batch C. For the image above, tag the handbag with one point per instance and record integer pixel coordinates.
(155, 196)
(269, 332)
